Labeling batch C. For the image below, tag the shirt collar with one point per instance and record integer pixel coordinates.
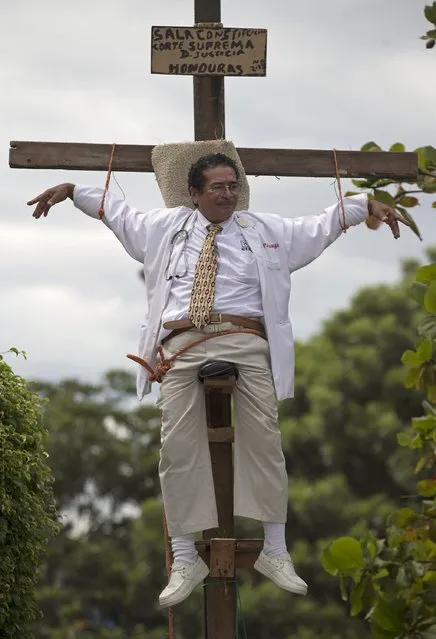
(204, 222)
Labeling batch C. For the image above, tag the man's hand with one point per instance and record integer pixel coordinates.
(52, 196)
(383, 213)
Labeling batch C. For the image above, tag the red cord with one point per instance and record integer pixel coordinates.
(341, 201)
(106, 186)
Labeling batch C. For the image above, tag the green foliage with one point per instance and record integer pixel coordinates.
(27, 512)
(392, 579)
(430, 36)
(402, 197)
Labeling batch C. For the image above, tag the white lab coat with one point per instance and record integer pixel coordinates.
(280, 246)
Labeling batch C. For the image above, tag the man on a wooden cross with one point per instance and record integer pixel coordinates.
(218, 286)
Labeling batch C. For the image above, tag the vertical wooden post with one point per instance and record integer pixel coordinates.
(209, 110)
(219, 594)
(220, 599)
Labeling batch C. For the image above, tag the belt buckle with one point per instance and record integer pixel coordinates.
(218, 320)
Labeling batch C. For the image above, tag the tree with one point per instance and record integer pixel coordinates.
(27, 513)
(393, 577)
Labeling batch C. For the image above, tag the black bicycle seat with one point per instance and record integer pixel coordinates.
(215, 368)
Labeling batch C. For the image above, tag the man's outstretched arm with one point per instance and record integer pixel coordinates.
(128, 224)
(309, 236)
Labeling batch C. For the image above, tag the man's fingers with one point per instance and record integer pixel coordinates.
(394, 226)
(41, 209)
(39, 198)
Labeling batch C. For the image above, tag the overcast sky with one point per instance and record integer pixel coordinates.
(338, 74)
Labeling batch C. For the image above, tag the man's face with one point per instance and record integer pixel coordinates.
(220, 193)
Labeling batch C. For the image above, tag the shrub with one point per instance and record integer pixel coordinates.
(27, 510)
(393, 579)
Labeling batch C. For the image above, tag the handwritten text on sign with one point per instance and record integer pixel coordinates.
(208, 51)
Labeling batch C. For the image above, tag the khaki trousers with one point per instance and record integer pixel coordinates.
(260, 478)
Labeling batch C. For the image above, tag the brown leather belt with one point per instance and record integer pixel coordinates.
(179, 326)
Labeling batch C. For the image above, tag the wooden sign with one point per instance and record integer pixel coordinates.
(208, 51)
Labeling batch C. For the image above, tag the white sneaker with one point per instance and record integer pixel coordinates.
(281, 571)
(183, 579)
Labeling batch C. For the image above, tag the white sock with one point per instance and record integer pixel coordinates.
(275, 542)
(184, 550)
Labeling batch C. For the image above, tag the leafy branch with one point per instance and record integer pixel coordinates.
(393, 580)
(399, 197)
(15, 351)
(430, 36)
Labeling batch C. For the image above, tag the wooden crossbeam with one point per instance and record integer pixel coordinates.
(246, 551)
(256, 161)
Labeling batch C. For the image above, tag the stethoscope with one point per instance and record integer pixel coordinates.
(178, 250)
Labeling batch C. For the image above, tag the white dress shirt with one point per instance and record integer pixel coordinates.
(237, 288)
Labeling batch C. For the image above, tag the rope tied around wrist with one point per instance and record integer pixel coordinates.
(163, 364)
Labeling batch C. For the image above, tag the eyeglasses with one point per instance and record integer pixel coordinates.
(217, 188)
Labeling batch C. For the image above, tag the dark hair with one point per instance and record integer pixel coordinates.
(196, 177)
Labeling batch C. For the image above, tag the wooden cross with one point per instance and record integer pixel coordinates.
(219, 547)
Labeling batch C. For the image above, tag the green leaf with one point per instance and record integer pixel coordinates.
(427, 326)
(370, 146)
(424, 424)
(431, 33)
(409, 218)
(388, 615)
(346, 555)
(385, 197)
(411, 378)
(402, 579)
(404, 516)
(425, 349)
(327, 562)
(362, 184)
(430, 298)
(426, 274)
(418, 290)
(408, 201)
(381, 633)
(428, 185)
(409, 441)
(356, 595)
(430, 44)
(398, 147)
(430, 13)
(426, 157)
(426, 487)
(410, 358)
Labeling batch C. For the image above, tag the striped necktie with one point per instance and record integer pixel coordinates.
(203, 288)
